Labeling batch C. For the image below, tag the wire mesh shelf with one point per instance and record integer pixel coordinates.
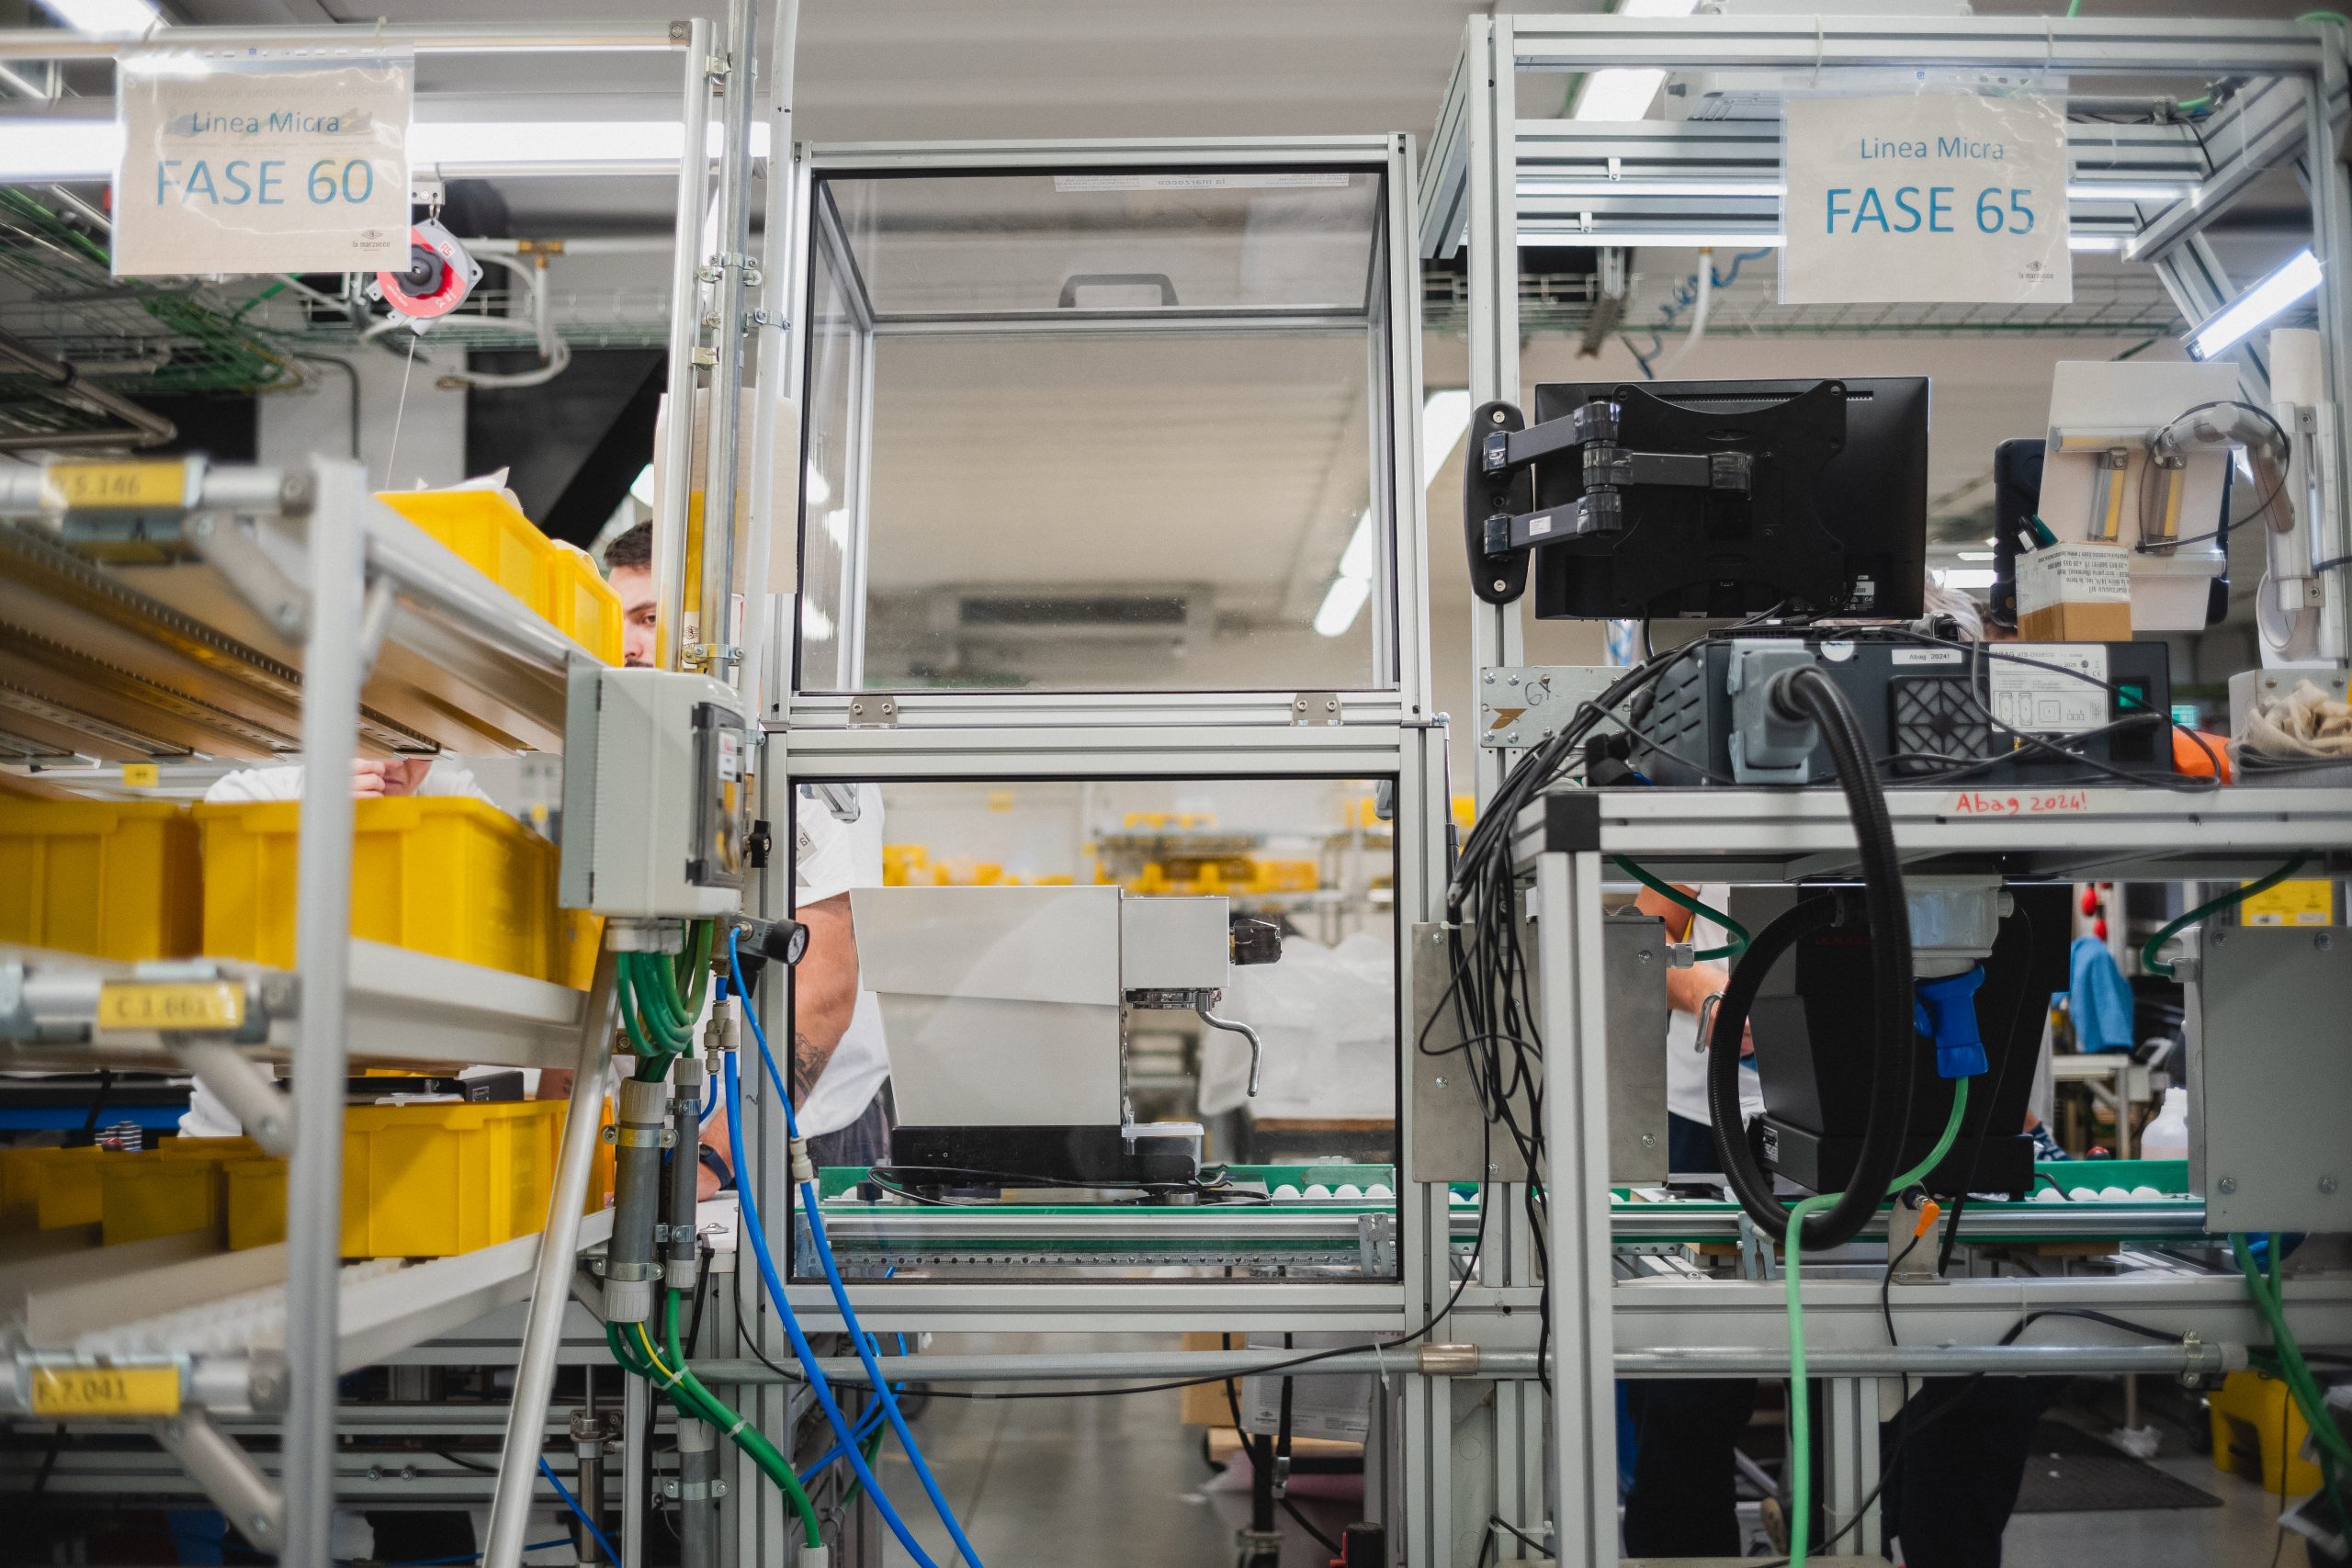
(131, 335)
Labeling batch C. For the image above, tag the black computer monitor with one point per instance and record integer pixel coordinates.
(1833, 520)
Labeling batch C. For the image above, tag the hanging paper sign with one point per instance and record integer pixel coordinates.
(1927, 198)
(246, 165)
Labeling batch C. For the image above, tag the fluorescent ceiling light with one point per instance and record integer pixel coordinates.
(1624, 93)
(1966, 577)
(561, 140)
(1975, 555)
(821, 489)
(2257, 305)
(53, 148)
(1356, 560)
(1757, 189)
(1572, 240)
(2125, 193)
(642, 487)
(2107, 242)
(1341, 604)
(1443, 418)
(103, 15)
(815, 625)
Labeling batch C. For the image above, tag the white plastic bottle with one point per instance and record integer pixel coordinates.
(2166, 1137)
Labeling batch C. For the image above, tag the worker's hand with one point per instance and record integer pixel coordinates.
(376, 778)
(1687, 990)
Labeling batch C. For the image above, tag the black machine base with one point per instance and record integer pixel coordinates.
(1087, 1155)
(1820, 1163)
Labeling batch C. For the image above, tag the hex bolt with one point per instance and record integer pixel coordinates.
(1642, 955)
(2327, 1186)
(1649, 1140)
(1439, 1082)
(2322, 943)
(2226, 1185)
(1490, 677)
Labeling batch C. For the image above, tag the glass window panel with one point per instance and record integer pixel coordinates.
(1001, 1013)
(1114, 432)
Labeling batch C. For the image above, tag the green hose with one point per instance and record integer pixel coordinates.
(2296, 1372)
(2155, 944)
(1737, 933)
(1800, 1395)
(696, 1402)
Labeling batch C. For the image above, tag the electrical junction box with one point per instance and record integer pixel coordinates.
(2269, 1079)
(656, 793)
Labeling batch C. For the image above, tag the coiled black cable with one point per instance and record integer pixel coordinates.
(1809, 694)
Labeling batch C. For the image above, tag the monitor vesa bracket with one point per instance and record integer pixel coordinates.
(1609, 469)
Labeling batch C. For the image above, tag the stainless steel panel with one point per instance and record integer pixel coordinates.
(2268, 1145)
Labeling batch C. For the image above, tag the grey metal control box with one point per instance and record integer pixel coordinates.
(2270, 1146)
(656, 793)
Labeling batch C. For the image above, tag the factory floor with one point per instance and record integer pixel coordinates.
(1086, 1481)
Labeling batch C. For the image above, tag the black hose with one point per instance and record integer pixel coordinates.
(1809, 694)
(1749, 1182)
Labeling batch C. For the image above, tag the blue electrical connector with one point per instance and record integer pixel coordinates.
(1945, 1011)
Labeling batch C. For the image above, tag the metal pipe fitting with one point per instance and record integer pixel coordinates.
(639, 1134)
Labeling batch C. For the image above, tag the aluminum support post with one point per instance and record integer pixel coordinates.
(1576, 1213)
(669, 516)
(551, 1284)
(332, 677)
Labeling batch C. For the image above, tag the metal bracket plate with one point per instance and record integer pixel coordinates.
(1526, 703)
(877, 712)
(1317, 708)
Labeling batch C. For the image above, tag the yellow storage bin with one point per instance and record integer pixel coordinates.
(148, 1195)
(582, 936)
(441, 874)
(421, 1180)
(112, 880)
(488, 530)
(44, 1189)
(575, 597)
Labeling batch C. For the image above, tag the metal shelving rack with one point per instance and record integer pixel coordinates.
(1493, 178)
(284, 613)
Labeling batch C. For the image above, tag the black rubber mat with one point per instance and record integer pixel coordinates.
(2068, 1471)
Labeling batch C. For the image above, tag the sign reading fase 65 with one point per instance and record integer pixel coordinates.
(264, 167)
(1934, 197)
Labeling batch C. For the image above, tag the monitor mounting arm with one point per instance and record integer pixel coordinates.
(1499, 520)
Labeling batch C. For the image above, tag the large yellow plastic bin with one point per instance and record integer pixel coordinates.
(114, 880)
(167, 1192)
(485, 528)
(441, 874)
(579, 601)
(421, 1180)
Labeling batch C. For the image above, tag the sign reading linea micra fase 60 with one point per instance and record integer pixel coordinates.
(1933, 198)
(255, 166)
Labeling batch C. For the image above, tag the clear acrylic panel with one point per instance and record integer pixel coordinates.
(1036, 1020)
(1103, 431)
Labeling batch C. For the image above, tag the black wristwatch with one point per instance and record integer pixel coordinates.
(712, 1162)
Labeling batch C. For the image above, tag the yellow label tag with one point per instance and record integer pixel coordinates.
(200, 1005)
(2306, 901)
(142, 775)
(61, 1392)
(113, 486)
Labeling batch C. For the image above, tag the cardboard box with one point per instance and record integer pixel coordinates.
(2075, 592)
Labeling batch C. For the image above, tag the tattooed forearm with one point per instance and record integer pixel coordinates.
(807, 1064)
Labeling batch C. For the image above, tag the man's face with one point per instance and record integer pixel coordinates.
(635, 585)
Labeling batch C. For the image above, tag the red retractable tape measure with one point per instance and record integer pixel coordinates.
(440, 274)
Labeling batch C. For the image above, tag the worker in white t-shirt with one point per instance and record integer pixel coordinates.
(1690, 1129)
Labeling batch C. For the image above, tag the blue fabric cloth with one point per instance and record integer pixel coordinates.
(2098, 999)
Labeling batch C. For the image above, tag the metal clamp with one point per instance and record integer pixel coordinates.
(1317, 708)
(1452, 1361)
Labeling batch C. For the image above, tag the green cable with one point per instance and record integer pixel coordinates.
(2155, 944)
(1800, 1395)
(1737, 933)
(695, 1401)
(2074, 8)
(747, 1436)
(647, 973)
(2300, 1385)
(2338, 17)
